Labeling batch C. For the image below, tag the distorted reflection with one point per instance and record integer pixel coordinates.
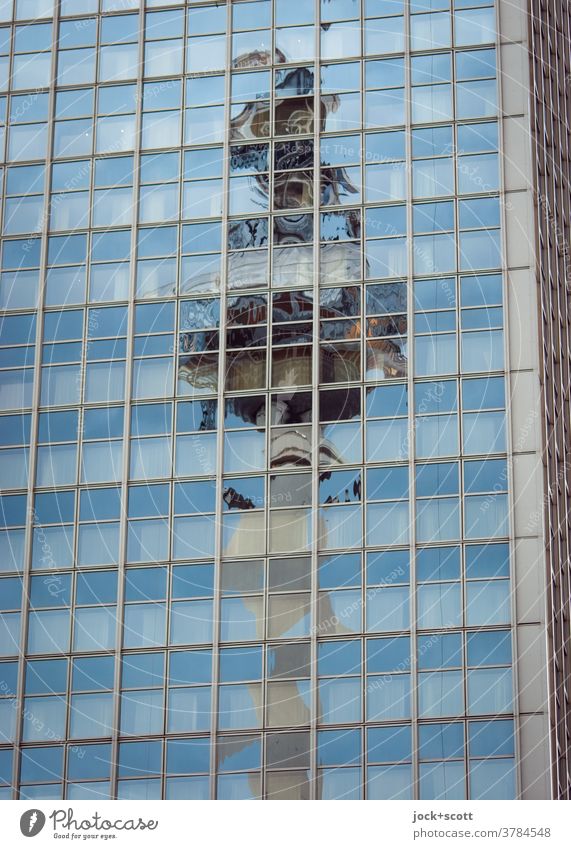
(248, 233)
(294, 81)
(340, 225)
(248, 269)
(245, 411)
(340, 303)
(246, 309)
(386, 359)
(293, 228)
(339, 487)
(198, 368)
(291, 408)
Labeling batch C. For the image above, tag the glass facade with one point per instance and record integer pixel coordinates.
(254, 460)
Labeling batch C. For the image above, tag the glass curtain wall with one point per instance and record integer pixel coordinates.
(254, 469)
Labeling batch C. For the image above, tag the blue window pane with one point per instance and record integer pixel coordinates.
(238, 786)
(481, 393)
(489, 648)
(436, 396)
(105, 423)
(240, 619)
(440, 694)
(387, 401)
(6, 756)
(388, 567)
(143, 670)
(491, 738)
(41, 791)
(339, 700)
(239, 753)
(492, 779)
(143, 758)
(439, 605)
(436, 651)
(490, 691)
(438, 564)
(388, 697)
(52, 507)
(89, 761)
(97, 504)
(441, 740)
(188, 788)
(44, 719)
(58, 427)
(41, 764)
(488, 603)
(96, 587)
(391, 482)
(144, 625)
(436, 479)
(433, 141)
(145, 584)
(95, 628)
(241, 664)
(9, 678)
(190, 667)
(15, 430)
(189, 709)
(481, 290)
(485, 475)
(391, 743)
(239, 706)
(381, 147)
(445, 780)
(150, 419)
(48, 631)
(388, 655)
(389, 782)
(93, 673)
(388, 609)
(142, 712)
(193, 581)
(339, 747)
(139, 789)
(195, 497)
(11, 593)
(46, 676)
(339, 657)
(149, 500)
(339, 784)
(487, 561)
(476, 137)
(191, 622)
(111, 246)
(339, 570)
(184, 756)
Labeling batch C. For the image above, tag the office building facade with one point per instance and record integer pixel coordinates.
(284, 400)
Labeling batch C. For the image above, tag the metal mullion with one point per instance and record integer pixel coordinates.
(28, 544)
(509, 441)
(127, 420)
(363, 401)
(218, 549)
(9, 95)
(315, 426)
(172, 434)
(411, 412)
(458, 378)
(267, 391)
